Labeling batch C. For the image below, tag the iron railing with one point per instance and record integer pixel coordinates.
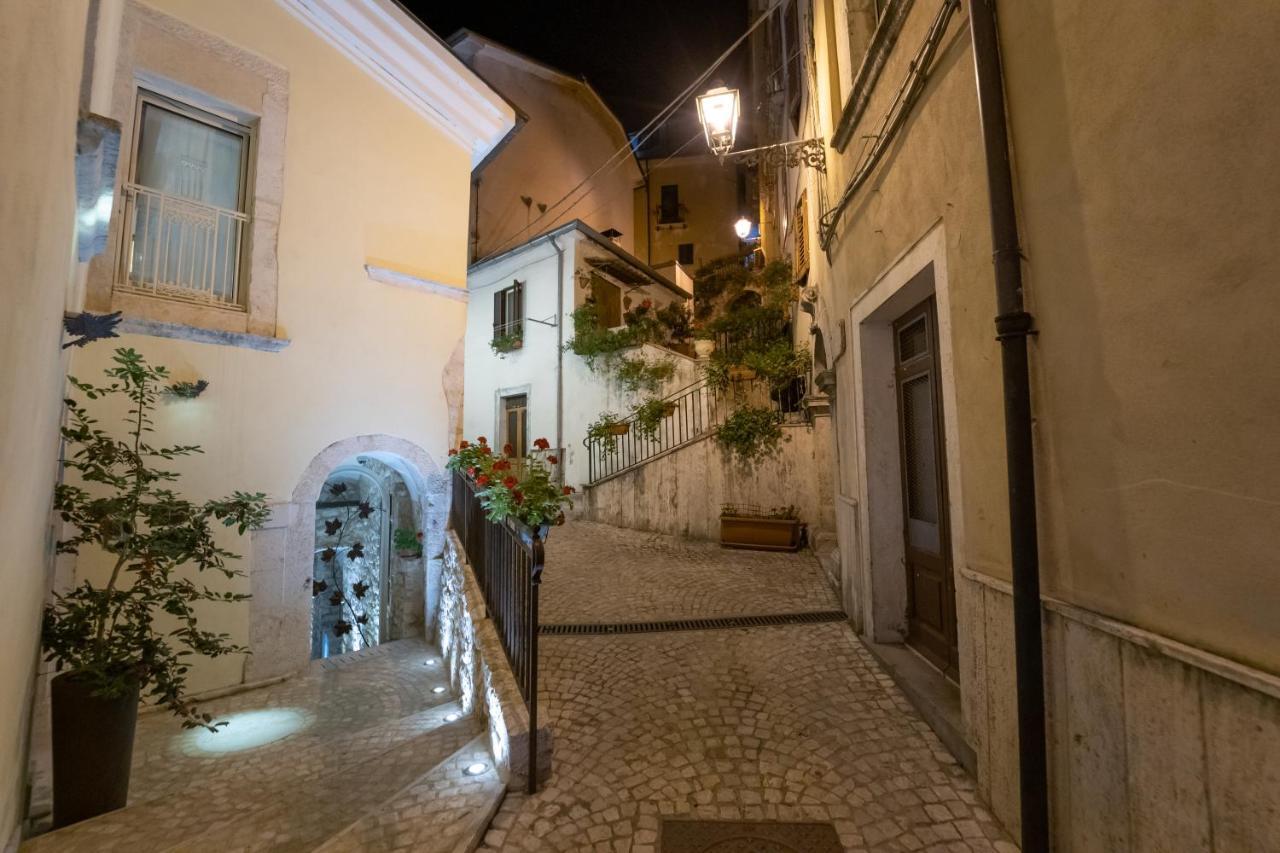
(693, 412)
(507, 559)
(180, 248)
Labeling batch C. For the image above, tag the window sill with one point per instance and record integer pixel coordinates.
(182, 332)
(873, 64)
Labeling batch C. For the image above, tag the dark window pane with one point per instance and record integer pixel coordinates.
(920, 462)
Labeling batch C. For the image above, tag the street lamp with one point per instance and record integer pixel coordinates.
(718, 110)
(742, 228)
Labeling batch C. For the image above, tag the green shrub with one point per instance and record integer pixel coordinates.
(751, 432)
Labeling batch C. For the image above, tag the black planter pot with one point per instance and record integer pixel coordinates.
(92, 750)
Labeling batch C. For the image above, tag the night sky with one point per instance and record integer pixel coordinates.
(638, 56)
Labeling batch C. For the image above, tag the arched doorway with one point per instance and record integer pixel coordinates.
(367, 568)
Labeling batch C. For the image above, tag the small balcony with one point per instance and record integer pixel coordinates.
(180, 249)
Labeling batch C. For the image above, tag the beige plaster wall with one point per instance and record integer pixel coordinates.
(568, 136)
(681, 493)
(1150, 196)
(709, 195)
(41, 45)
(366, 181)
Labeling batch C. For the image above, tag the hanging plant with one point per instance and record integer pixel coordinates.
(606, 428)
(507, 343)
(188, 390)
(751, 433)
(649, 416)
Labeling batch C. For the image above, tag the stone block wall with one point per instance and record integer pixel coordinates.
(479, 671)
(1153, 745)
(681, 493)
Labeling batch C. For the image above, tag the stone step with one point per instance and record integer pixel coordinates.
(447, 810)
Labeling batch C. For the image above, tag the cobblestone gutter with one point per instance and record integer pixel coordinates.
(479, 671)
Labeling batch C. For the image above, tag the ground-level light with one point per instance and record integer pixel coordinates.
(476, 769)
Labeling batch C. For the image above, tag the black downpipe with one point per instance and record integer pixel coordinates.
(1013, 324)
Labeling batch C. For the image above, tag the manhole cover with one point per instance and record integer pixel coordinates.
(717, 836)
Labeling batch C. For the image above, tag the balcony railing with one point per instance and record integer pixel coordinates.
(507, 559)
(181, 249)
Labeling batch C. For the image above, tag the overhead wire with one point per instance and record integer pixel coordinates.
(644, 133)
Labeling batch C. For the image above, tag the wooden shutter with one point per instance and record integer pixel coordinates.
(801, 227)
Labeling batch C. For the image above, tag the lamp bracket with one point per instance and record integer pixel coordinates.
(798, 152)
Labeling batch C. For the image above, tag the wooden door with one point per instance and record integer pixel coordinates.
(931, 599)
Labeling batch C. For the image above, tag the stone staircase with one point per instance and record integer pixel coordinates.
(368, 757)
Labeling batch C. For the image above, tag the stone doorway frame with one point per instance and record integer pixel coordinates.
(879, 582)
(283, 551)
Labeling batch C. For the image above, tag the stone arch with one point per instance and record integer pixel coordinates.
(280, 610)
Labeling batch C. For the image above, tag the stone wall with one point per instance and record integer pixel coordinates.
(1153, 744)
(681, 493)
(479, 671)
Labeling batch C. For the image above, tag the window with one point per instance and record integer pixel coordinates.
(514, 428)
(508, 312)
(669, 209)
(684, 253)
(801, 226)
(185, 204)
(608, 299)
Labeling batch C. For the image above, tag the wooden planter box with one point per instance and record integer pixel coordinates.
(618, 429)
(760, 534)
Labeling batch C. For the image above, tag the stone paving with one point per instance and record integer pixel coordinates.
(599, 573)
(299, 761)
(791, 723)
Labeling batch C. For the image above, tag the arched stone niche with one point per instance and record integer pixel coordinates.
(280, 609)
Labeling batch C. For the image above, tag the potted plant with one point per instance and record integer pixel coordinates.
(135, 633)
(649, 416)
(511, 487)
(408, 543)
(704, 344)
(606, 429)
(751, 433)
(750, 527)
(507, 342)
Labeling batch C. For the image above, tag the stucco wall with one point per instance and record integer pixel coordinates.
(366, 181)
(569, 135)
(681, 493)
(709, 196)
(41, 45)
(531, 370)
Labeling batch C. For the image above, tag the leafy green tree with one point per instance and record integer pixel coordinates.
(141, 627)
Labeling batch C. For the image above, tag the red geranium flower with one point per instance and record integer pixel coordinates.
(482, 440)
(517, 496)
(541, 444)
(648, 303)
(568, 490)
(484, 448)
(464, 444)
(553, 459)
(509, 481)
(482, 480)
(453, 451)
(502, 465)
(472, 470)
(508, 450)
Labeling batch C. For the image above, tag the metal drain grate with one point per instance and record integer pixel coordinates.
(714, 624)
(713, 836)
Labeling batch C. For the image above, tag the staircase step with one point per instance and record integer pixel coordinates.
(445, 811)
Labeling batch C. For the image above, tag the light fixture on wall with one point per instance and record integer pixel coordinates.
(742, 228)
(718, 111)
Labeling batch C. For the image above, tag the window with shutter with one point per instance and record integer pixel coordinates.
(508, 312)
(801, 227)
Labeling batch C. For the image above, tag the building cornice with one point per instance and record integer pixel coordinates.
(411, 62)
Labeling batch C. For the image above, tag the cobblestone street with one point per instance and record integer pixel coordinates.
(790, 723)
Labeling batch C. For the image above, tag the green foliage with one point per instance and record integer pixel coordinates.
(779, 364)
(751, 433)
(634, 375)
(405, 539)
(675, 317)
(715, 278)
(600, 430)
(716, 371)
(510, 342)
(108, 634)
(514, 487)
(188, 390)
(649, 416)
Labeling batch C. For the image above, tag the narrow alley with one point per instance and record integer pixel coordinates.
(793, 723)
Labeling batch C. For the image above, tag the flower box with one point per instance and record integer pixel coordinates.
(760, 534)
(618, 429)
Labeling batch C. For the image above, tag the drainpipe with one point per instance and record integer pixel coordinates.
(560, 448)
(1013, 324)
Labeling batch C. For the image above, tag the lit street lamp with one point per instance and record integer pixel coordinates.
(718, 110)
(742, 228)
